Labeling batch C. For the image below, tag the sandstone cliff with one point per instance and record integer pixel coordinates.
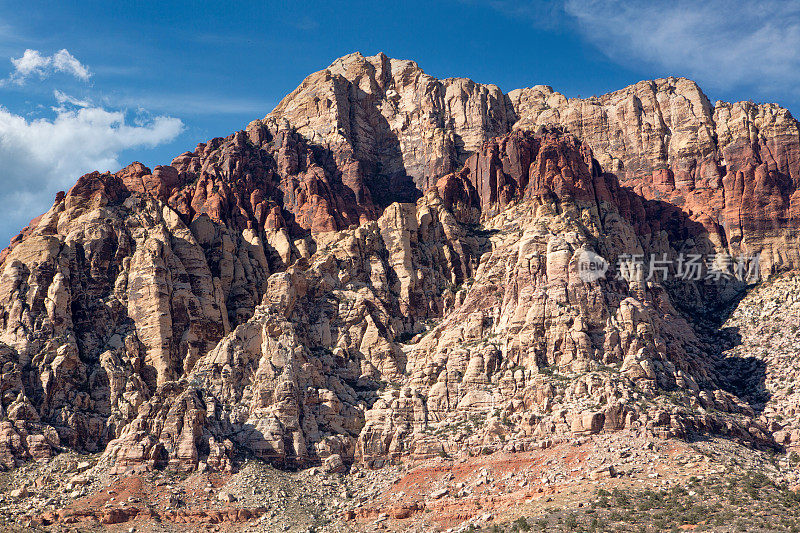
(386, 266)
(732, 167)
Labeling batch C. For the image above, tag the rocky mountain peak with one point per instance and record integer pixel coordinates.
(388, 267)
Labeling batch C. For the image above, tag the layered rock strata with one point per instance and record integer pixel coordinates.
(387, 265)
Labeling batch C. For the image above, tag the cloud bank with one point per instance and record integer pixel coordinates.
(41, 156)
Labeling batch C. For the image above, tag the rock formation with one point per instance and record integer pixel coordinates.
(388, 265)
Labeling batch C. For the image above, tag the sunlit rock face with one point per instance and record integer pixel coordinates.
(389, 265)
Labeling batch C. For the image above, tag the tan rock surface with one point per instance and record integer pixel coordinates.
(386, 266)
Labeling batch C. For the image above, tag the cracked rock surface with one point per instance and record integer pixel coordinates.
(385, 269)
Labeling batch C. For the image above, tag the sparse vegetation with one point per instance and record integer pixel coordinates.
(747, 502)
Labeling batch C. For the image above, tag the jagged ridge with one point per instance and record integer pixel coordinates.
(131, 316)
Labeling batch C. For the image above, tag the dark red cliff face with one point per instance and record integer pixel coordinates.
(553, 166)
(522, 165)
(270, 178)
(255, 179)
(751, 197)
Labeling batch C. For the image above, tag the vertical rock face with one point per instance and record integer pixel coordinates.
(662, 138)
(108, 298)
(732, 165)
(292, 384)
(407, 127)
(644, 127)
(388, 265)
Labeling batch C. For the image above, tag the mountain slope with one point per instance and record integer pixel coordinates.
(387, 266)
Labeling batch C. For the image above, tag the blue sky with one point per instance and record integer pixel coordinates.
(105, 83)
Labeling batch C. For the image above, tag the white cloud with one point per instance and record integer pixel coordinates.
(63, 61)
(719, 42)
(63, 98)
(39, 157)
(30, 62)
(33, 62)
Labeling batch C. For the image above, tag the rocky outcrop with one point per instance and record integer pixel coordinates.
(109, 298)
(535, 352)
(292, 384)
(388, 266)
(406, 127)
(332, 366)
(731, 167)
